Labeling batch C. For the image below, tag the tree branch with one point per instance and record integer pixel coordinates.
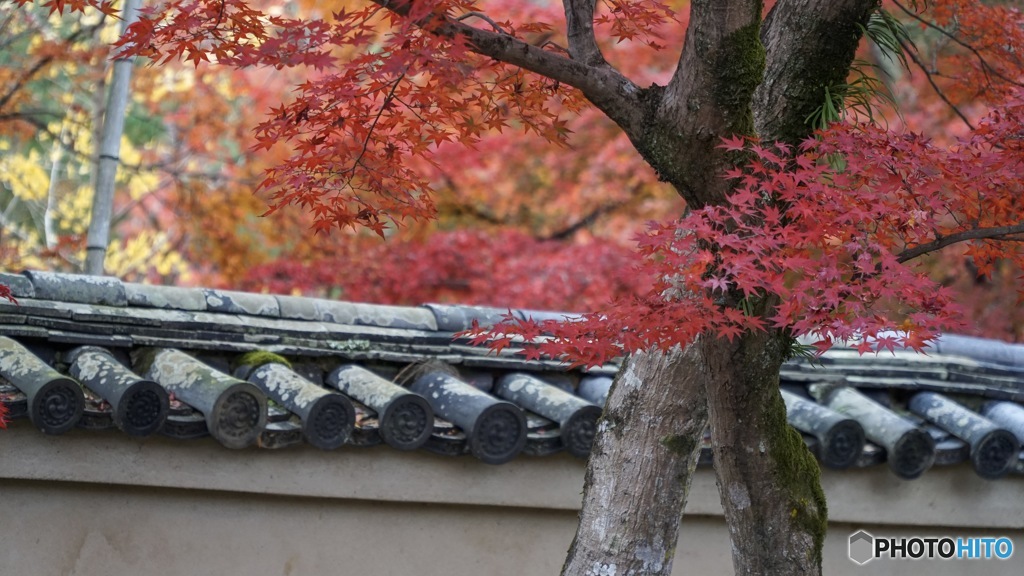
(485, 18)
(46, 60)
(584, 222)
(703, 63)
(938, 91)
(602, 85)
(579, 21)
(707, 99)
(994, 233)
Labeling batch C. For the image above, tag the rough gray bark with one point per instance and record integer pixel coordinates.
(642, 459)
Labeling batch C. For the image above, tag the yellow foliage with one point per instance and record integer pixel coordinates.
(20, 249)
(129, 154)
(149, 251)
(170, 81)
(225, 87)
(25, 176)
(111, 31)
(141, 182)
(73, 211)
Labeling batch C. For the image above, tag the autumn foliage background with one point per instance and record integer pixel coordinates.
(541, 215)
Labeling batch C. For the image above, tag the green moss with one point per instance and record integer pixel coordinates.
(143, 358)
(739, 69)
(799, 473)
(680, 444)
(258, 358)
(658, 145)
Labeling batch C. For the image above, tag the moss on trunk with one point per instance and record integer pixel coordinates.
(738, 69)
(800, 475)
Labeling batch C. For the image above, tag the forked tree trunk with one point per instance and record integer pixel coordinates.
(640, 467)
(646, 449)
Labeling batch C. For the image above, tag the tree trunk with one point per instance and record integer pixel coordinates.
(56, 167)
(640, 467)
(768, 480)
(106, 170)
(645, 452)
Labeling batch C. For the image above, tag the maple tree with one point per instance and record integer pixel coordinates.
(784, 237)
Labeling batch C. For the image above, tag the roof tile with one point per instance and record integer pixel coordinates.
(167, 297)
(377, 343)
(241, 303)
(77, 288)
(20, 285)
(452, 318)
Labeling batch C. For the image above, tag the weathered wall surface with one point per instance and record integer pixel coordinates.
(95, 504)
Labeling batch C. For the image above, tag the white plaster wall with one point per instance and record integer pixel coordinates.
(102, 504)
(64, 529)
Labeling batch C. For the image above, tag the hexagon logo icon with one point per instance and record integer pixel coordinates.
(862, 547)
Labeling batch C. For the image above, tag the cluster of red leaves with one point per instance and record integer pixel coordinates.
(506, 268)
(634, 19)
(818, 241)
(62, 6)
(378, 103)
(5, 292)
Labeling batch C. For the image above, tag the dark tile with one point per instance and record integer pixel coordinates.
(20, 285)
(80, 288)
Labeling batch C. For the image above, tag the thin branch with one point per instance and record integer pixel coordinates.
(24, 78)
(989, 69)
(46, 60)
(485, 18)
(584, 222)
(556, 46)
(938, 91)
(369, 134)
(994, 233)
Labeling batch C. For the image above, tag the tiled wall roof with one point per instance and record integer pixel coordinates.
(274, 371)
